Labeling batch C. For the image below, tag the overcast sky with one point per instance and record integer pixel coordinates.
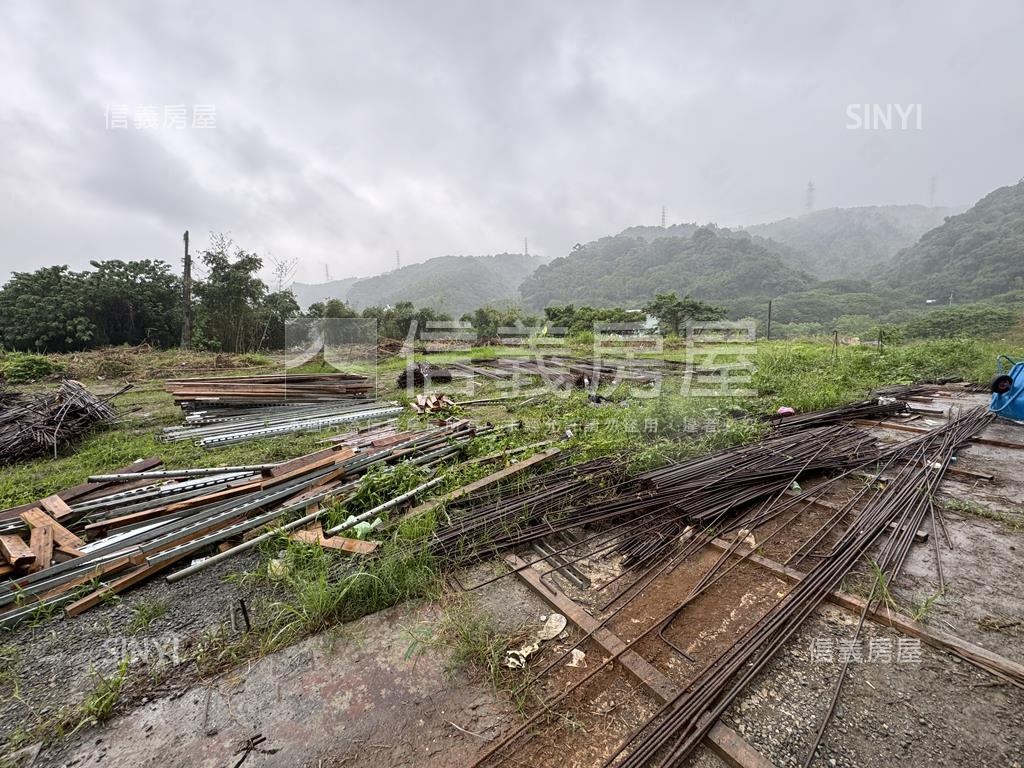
(339, 132)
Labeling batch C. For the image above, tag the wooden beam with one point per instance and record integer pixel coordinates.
(64, 538)
(41, 541)
(168, 509)
(308, 463)
(56, 507)
(725, 742)
(119, 585)
(1000, 666)
(340, 543)
(15, 551)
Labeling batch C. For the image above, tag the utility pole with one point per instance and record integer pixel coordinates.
(186, 298)
(663, 217)
(809, 197)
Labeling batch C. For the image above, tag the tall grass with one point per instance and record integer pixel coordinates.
(809, 376)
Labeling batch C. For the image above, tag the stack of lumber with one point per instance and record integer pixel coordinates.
(32, 425)
(120, 529)
(432, 403)
(221, 391)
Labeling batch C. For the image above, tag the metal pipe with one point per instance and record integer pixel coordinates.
(161, 474)
(351, 523)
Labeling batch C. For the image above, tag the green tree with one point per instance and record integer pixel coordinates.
(230, 297)
(673, 312)
(397, 321)
(271, 317)
(966, 320)
(131, 302)
(488, 321)
(45, 311)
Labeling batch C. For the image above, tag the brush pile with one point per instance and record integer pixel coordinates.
(32, 425)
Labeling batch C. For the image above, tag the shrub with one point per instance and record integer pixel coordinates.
(19, 367)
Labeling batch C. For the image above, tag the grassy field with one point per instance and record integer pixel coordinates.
(650, 429)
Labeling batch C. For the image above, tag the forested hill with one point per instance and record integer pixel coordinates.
(452, 284)
(628, 269)
(309, 293)
(848, 242)
(976, 255)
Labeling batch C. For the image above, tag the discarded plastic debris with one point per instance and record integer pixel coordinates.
(517, 658)
(578, 660)
(553, 627)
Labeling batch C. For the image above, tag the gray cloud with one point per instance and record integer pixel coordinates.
(345, 131)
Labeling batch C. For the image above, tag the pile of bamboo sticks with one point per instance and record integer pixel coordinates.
(32, 425)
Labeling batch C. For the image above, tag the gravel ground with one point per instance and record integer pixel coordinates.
(937, 711)
(54, 665)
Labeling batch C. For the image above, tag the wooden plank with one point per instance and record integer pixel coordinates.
(56, 507)
(340, 543)
(61, 535)
(63, 554)
(299, 462)
(726, 743)
(81, 491)
(178, 506)
(41, 541)
(306, 464)
(119, 585)
(15, 551)
(96, 572)
(1000, 666)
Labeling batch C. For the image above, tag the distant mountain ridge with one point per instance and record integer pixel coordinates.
(628, 269)
(833, 242)
(452, 284)
(976, 255)
(310, 293)
(852, 242)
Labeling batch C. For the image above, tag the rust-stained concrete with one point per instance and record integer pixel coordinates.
(368, 696)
